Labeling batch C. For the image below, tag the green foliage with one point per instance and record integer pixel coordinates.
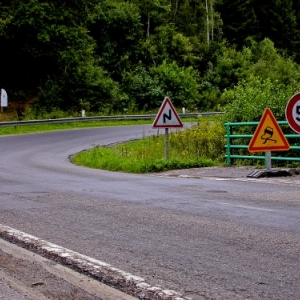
(52, 35)
(89, 85)
(277, 20)
(115, 55)
(153, 13)
(148, 88)
(266, 62)
(205, 140)
(233, 67)
(179, 83)
(108, 159)
(247, 100)
(32, 113)
(197, 147)
(168, 44)
(117, 31)
(142, 88)
(239, 20)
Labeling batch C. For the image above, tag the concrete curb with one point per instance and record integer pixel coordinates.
(105, 273)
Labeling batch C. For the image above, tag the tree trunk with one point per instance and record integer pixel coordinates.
(207, 22)
(212, 19)
(148, 27)
(176, 7)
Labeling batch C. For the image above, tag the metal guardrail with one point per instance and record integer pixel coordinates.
(101, 118)
(229, 146)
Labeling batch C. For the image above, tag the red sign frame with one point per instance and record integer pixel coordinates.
(289, 113)
(167, 102)
(253, 148)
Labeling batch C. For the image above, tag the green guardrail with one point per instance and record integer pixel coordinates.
(230, 156)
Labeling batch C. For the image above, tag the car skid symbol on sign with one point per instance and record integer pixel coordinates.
(267, 136)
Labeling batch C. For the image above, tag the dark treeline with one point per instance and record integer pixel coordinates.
(110, 56)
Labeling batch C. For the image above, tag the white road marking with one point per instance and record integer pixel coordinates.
(263, 180)
(90, 266)
(248, 207)
(243, 179)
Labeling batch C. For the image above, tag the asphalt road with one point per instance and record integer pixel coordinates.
(203, 237)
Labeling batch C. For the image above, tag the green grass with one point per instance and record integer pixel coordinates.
(36, 128)
(201, 146)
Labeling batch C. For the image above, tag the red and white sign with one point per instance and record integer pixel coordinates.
(292, 112)
(167, 116)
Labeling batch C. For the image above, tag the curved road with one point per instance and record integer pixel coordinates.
(205, 238)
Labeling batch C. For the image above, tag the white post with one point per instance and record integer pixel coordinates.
(3, 100)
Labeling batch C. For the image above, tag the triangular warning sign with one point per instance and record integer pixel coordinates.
(268, 135)
(167, 116)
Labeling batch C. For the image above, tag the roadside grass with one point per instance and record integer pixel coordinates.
(200, 146)
(36, 128)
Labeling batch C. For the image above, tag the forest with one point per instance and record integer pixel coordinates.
(116, 56)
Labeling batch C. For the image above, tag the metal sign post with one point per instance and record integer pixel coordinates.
(167, 117)
(268, 160)
(167, 143)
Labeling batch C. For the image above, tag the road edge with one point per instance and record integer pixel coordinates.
(101, 271)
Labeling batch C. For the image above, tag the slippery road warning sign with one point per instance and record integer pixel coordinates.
(268, 135)
(167, 116)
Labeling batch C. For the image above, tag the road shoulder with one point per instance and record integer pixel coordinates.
(37, 278)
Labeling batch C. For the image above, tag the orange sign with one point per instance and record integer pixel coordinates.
(268, 135)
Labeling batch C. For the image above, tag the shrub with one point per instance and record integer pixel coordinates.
(247, 100)
(200, 146)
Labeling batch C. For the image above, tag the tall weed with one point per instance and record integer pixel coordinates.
(202, 145)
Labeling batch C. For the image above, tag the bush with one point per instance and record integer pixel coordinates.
(147, 88)
(200, 146)
(179, 83)
(247, 100)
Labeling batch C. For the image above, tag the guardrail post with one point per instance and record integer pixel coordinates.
(228, 151)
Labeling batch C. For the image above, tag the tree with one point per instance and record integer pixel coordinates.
(117, 31)
(153, 13)
(277, 20)
(239, 20)
(247, 101)
(149, 87)
(49, 53)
